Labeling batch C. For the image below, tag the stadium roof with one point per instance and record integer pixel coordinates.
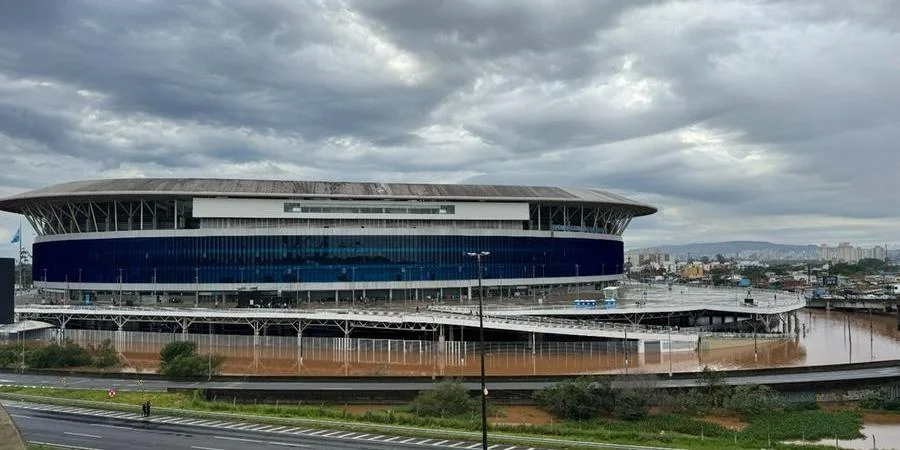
(212, 187)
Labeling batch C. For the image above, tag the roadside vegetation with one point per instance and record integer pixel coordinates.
(61, 356)
(180, 359)
(684, 420)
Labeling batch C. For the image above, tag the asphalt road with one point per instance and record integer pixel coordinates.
(101, 433)
(884, 373)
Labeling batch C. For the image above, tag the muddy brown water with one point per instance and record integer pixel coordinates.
(826, 338)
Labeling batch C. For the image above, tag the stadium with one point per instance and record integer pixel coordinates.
(219, 240)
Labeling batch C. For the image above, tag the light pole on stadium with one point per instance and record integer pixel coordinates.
(479, 256)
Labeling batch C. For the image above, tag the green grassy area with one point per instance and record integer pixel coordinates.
(663, 430)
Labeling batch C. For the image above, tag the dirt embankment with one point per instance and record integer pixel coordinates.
(10, 439)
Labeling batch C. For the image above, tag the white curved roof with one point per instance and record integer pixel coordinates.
(213, 187)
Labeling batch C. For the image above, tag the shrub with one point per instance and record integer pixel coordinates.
(105, 355)
(175, 349)
(753, 400)
(447, 399)
(692, 402)
(577, 399)
(10, 355)
(180, 359)
(713, 385)
(881, 399)
(632, 404)
(68, 354)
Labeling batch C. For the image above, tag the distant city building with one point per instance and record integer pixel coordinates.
(845, 252)
(692, 271)
(641, 260)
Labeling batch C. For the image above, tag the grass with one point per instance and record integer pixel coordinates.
(663, 430)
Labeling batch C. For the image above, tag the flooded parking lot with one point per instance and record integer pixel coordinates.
(825, 338)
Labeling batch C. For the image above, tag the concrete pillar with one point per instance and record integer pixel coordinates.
(533, 343)
(470, 293)
(640, 346)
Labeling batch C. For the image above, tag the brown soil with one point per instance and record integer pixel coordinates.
(509, 415)
(522, 415)
(883, 418)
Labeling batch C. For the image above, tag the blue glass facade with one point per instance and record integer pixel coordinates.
(279, 259)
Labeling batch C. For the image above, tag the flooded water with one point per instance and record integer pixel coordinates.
(826, 338)
(886, 437)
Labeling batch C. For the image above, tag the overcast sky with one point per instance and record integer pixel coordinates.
(764, 120)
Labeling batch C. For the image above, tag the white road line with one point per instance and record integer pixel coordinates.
(440, 443)
(392, 439)
(83, 435)
(112, 426)
(316, 433)
(278, 430)
(205, 448)
(287, 444)
(410, 439)
(229, 438)
(457, 444)
(361, 436)
(51, 444)
(424, 442)
(332, 433)
(266, 428)
(493, 446)
(21, 416)
(474, 445)
(376, 438)
(345, 435)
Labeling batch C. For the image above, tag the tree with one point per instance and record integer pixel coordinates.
(447, 399)
(174, 350)
(713, 385)
(180, 359)
(577, 399)
(105, 355)
(754, 400)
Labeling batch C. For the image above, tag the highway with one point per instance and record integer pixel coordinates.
(88, 429)
(773, 377)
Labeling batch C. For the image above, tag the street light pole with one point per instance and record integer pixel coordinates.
(196, 287)
(479, 256)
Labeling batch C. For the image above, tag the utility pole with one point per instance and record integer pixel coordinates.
(484, 392)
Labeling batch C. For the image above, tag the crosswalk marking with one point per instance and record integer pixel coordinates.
(261, 428)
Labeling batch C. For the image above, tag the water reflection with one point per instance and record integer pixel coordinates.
(825, 338)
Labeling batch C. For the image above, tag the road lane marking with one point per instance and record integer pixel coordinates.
(229, 438)
(112, 426)
(392, 439)
(333, 433)
(206, 448)
(287, 444)
(437, 444)
(21, 416)
(50, 444)
(83, 434)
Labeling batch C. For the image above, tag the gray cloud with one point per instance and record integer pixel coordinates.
(739, 119)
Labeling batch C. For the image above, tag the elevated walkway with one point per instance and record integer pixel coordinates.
(347, 320)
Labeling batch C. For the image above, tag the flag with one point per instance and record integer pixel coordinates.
(16, 237)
